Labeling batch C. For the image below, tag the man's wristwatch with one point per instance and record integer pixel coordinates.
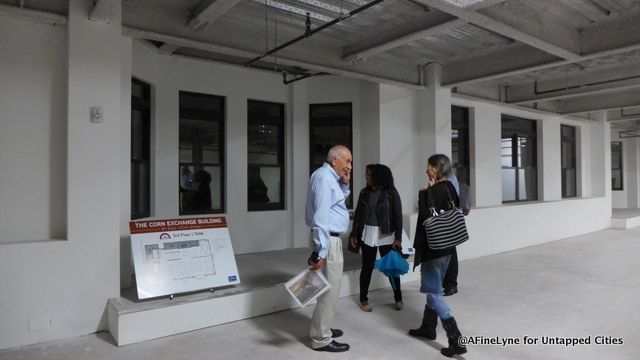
(314, 258)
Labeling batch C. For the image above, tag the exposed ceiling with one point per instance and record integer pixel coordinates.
(565, 56)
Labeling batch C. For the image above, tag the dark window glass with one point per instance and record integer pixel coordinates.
(616, 166)
(265, 155)
(568, 160)
(460, 143)
(330, 124)
(519, 159)
(201, 153)
(140, 149)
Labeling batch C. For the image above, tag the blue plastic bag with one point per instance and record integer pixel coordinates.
(392, 264)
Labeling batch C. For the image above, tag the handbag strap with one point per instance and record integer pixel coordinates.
(451, 202)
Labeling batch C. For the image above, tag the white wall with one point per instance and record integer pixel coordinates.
(509, 227)
(485, 128)
(397, 124)
(33, 100)
(629, 196)
(169, 76)
(494, 227)
(63, 286)
(250, 231)
(58, 289)
(633, 170)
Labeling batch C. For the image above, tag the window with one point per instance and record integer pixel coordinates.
(202, 155)
(568, 160)
(265, 155)
(519, 159)
(460, 143)
(140, 149)
(330, 124)
(616, 166)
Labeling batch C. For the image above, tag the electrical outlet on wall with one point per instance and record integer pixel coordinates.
(97, 114)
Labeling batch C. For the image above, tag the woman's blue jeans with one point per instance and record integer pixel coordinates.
(432, 273)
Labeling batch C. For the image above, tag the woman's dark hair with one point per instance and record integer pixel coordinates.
(441, 163)
(381, 176)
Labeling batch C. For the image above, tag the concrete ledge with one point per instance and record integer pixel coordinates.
(131, 322)
(625, 223)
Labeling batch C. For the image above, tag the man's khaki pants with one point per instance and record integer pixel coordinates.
(325, 307)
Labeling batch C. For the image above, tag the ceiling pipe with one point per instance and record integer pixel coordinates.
(538, 92)
(308, 32)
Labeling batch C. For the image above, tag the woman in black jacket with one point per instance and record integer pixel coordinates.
(433, 263)
(377, 225)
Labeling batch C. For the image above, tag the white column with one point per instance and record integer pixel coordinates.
(94, 80)
(370, 132)
(600, 156)
(164, 144)
(630, 149)
(486, 180)
(397, 128)
(549, 166)
(434, 120)
(299, 110)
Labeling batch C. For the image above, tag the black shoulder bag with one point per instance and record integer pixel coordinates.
(445, 229)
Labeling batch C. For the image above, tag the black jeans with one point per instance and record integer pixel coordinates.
(368, 259)
(451, 276)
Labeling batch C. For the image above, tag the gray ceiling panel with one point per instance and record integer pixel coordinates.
(469, 52)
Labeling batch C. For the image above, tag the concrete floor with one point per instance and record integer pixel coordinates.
(578, 287)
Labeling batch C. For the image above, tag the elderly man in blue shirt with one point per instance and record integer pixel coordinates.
(328, 217)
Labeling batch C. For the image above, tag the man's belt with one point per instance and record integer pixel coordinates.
(334, 234)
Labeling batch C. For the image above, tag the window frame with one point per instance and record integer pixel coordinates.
(313, 124)
(621, 168)
(573, 140)
(532, 137)
(465, 130)
(281, 125)
(200, 164)
(143, 105)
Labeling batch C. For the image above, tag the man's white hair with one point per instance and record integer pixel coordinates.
(334, 152)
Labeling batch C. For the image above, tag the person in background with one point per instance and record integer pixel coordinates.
(433, 263)
(327, 216)
(377, 226)
(450, 282)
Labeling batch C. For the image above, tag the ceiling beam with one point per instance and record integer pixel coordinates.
(586, 91)
(33, 15)
(208, 11)
(483, 4)
(431, 24)
(459, 99)
(513, 59)
(576, 84)
(167, 49)
(626, 32)
(103, 10)
(622, 31)
(195, 44)
(624, 119)
(507, 20)
(595, 102)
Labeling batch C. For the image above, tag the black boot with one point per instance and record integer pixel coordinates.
(453, 335)
(428, 327)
